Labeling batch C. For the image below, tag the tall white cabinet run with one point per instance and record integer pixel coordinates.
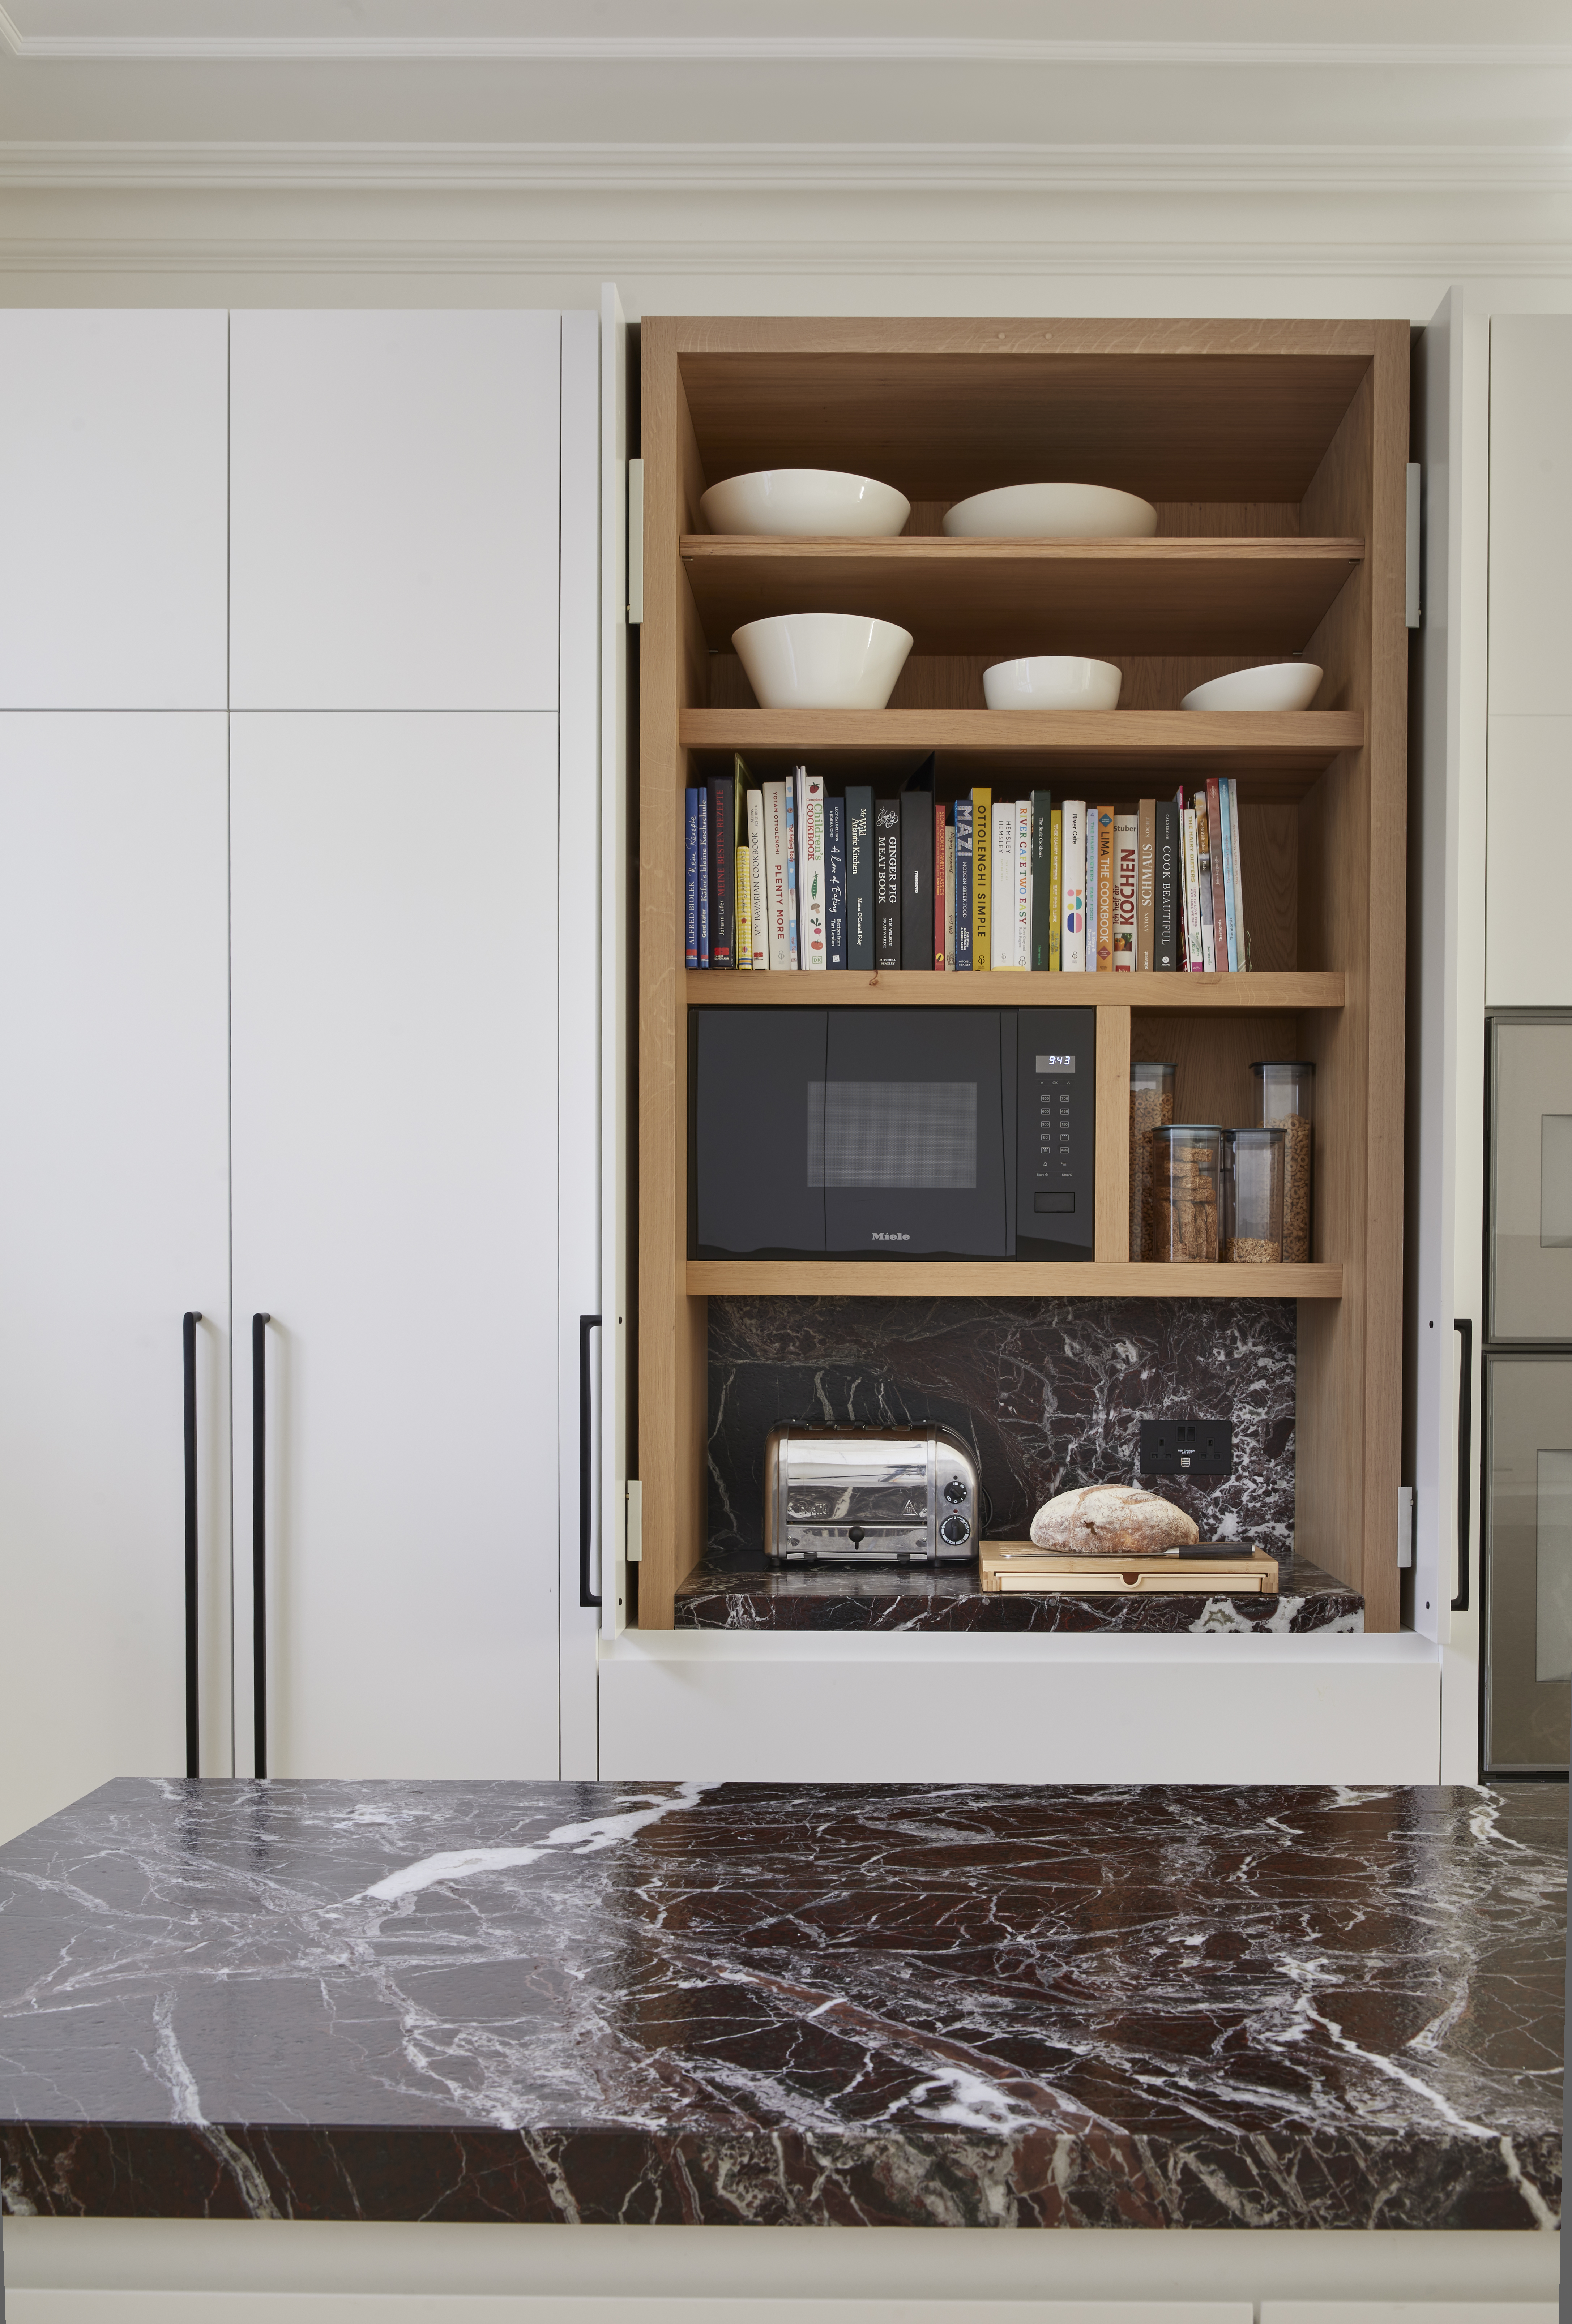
(298, 685)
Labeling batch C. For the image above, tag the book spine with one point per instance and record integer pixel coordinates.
(1055, 888)
(703, 878)
(690, 879)
(793, 922)
(887, 883)
(759, 882)
(775, 897)
(964, 902)
(744, 910)
(949, 896)
(1238, 856)
(722, 848)
(1124, 886)
(1042, 807)
(916, 878)
(1001, 885)
(1220, 883)
(940, 889)
(1230, 902)
(814, 936)
(1073, 941)
(1023, 883)
(982, 881)
(859, 876)
(1204, 881)
(1165, 935)
(1104, 888)
(1195, 959)
(835, 880)
(1089, 886)
(1146, 880)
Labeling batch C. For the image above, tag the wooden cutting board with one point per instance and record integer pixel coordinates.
(1011, 1565)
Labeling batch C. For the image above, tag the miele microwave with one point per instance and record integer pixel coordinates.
(891, 1133)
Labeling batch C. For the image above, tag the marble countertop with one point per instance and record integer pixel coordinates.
(731, 1591)
(950, 2005)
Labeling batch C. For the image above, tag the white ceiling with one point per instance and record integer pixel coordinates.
(705, 95)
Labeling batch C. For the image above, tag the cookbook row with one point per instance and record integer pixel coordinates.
(779, 875)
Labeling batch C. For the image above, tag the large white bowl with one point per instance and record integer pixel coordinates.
(1274, 686)
(1052, 512)
(822, 661)
(798, 503)
(1052, 682)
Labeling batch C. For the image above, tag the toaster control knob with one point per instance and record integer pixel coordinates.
(954, 1530)
(956, 1490)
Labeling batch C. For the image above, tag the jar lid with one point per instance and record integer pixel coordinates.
(1284, 1065)
(1189, 1129)
(1257, 1130)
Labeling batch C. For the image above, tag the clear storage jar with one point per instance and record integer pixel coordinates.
(1253, 1193)
(1150, 1108)
(1186, 1175)
(1285, 1098)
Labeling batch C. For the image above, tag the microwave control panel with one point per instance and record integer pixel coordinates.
(1056, 1086)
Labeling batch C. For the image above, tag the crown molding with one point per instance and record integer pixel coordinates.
(873, 168)
(876, 49)
(963, 263)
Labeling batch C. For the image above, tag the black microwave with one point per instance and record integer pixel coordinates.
(892, 1133)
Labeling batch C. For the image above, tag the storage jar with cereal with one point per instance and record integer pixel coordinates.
(1285, 1099)
(1252, 1184)
(1150, 1108)
(1186, 1168)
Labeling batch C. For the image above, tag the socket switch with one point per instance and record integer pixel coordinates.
(1187, 1448)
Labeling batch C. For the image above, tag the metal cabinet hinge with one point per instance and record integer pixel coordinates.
(1408, 1501)
(635, 543)
(634, 1535)
(1412, 562)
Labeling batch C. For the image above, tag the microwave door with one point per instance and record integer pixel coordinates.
(1530, 1179)
(1527, 1563)
(916, 1139)
(756, 1184)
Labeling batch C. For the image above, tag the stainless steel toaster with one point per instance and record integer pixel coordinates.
(870, 1496)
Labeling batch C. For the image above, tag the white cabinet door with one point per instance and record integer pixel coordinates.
(394, 1023)
(394, 511)
(113, 1220)
(113, 464)
(1531, 515)
(1528, 826)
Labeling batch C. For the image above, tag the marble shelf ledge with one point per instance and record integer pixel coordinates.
(830, 2005)
(724, 1593)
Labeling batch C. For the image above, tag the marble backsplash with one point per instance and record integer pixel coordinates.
(1050, 1393)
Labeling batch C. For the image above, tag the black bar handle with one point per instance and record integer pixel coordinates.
(259, 1324)
(188, 1322)
(1464, 1461)
(586, 1324)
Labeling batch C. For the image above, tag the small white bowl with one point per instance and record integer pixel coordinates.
(1052, 682)
(822, 661)
(1052, 512)
(803, 503)
(1274, 686)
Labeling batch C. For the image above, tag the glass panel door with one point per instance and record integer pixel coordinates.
(1528, 1436)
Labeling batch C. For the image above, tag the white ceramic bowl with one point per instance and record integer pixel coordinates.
(1274, 686)
(1052, 512)
(799, 503)
(822, 661)
(1052, 682)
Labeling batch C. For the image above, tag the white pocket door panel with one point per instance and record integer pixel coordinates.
(114, 463)
(113, 1220)
(394, 511)
(395, 1026)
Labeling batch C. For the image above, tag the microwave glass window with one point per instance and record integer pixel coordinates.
(1556, 1182)
(1527, 1566)
(1530, 1179)
(893, 1134)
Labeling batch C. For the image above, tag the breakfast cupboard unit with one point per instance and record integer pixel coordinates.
(299, 688)
(1276, 454)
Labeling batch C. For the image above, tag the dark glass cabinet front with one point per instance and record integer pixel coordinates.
(931, 1133)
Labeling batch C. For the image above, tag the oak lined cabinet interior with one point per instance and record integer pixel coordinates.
(1275, 455)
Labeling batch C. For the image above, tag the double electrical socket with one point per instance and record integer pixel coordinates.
(1187, 1448)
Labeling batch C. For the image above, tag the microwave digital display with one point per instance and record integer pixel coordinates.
(908, 1133)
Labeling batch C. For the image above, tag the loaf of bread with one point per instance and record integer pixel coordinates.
(1112, 1521)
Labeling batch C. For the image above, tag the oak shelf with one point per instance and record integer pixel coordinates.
(1274, 989)
(919, 1279)
(1276, 755)
(1156, 597)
